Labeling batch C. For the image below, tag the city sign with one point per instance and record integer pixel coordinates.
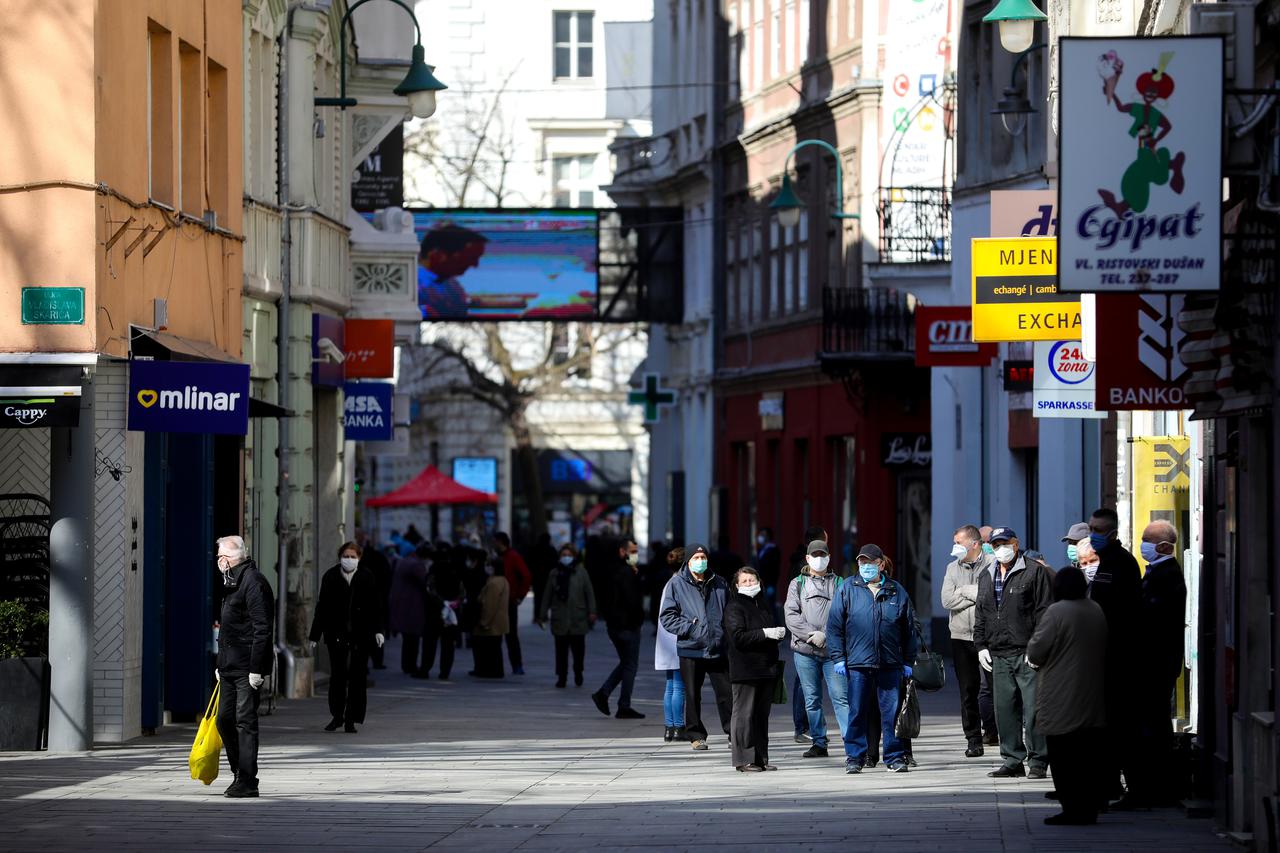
(1140, 164)
(1063, 382)
(367, 411)
(1140, 352)
(944, 338)
(205, 397)
(53, 306)
(1015, 292)
(37, 412)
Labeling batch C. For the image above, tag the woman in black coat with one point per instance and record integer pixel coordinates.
(349, 617)
(751, 639)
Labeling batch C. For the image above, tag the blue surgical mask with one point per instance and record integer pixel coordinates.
(869, 571)
(987, 549)
(1073, 553)
(1148, 550)
(1099, 540)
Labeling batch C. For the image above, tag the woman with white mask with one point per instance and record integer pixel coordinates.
(349, 620)
(751, 640)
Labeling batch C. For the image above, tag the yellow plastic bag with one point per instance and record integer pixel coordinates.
(207, 750)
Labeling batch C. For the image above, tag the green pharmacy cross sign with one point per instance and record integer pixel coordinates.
(652, 397)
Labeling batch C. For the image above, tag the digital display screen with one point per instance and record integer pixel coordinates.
(507, 264)
(477, 472)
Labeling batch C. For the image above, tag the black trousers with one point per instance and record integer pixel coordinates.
(1152, 768)
(348, 690)
(378, 656)
(488, 656)
(969, 678)
(577, 643)
(987, 702)
(238, 727)
(693, 671)
(513, 637)
(410, 648)
(1074, 759)
(749, 726)
(448, 640)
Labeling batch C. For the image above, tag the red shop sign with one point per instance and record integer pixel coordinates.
(1140, 352)
(944, 338)
(370, 347)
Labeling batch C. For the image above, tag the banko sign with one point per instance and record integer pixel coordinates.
(944, 338)
(203, 397)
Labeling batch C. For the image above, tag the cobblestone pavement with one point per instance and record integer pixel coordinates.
(519, 764)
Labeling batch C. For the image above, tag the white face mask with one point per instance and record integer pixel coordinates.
(633, 559)
(1005, 554)
(566, 560)
(349, 564)
(959, 552)
(752, 591)
(760, 540)
(1089, 570)
(818, 563)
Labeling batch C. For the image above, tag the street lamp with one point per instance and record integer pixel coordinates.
(1017, 20)
(419, 85)
(788, 205)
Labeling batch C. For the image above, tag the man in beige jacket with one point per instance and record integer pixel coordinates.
(959, 594)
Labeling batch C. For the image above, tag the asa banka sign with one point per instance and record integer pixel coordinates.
(367, 411)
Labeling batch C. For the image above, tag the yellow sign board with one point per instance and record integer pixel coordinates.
(1015, 292)
(1161, 485)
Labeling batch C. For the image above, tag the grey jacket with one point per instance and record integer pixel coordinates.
(808, 603)
(960, 594)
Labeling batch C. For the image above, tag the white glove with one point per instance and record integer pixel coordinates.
(217, 677)
(313, 645)
(379, 639)
(775, 633)
(984, 658)
(1029, 663)
(255, 680)
(819, 639)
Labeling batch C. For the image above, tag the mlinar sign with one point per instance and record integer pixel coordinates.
(210, 398)
(1140, 188)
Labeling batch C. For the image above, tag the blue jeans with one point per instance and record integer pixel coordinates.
(673, 700)
(812, 672)
(867, 686)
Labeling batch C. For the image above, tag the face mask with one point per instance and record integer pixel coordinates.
(1073, 554)
(697, 566)
(959, 552)
(1089, 569)
(752, 591)
(987, 549)
(1148, 551)
(633, 559)
(869, 571)
(1005, 554)
(817, 563)
(566, 561)
(488, 570)
(1099, 540)
(760, 540)
(224, 565)
(349, 564)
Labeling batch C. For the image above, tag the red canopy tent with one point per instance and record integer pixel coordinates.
(432, 487)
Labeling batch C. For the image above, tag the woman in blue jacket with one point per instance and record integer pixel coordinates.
(871, 642)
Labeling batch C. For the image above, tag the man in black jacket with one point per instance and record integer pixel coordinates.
(624, 612)
(1011, 601)
(245, 655)
(349, 617)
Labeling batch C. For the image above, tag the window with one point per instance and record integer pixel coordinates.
(573, 44)
(190, 138)
(802, 262)
(574, 180)
(791, 34)
(260, 157)
(160, 146)
(775, 37)
(219, 154)
(757, 43)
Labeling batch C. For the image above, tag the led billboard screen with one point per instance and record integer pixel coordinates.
(507, 264)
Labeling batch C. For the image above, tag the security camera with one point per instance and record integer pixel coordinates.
(330, 352)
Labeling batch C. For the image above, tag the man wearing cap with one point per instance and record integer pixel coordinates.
(1077, 532)
(959, 595)
(808, 604)
(1011, 601)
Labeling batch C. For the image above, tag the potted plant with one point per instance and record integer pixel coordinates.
(24, 676)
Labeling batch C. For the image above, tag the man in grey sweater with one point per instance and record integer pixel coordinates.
(808, 602)
(959, 595)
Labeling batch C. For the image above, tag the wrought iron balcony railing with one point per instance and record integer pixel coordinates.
(915, 225)
(867, 323)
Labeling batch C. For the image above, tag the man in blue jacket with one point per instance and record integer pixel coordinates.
(694, 613)
(871, 640)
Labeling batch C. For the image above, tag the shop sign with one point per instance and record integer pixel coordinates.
(1024, 213)
(906, 450)
(370, 349)
(205, 397)
(326, 370)
(1015, 292)
(37, 412)
(1063, 381)
(1018, 375)
(53, 306)
(1161, 484)
(944, 338)
(1140, 352)
(367, 413)
(771, 411)
(1140, 186)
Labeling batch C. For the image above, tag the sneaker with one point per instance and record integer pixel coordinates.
(803, 737)
(334, 725)
(240, 792)
(815, 751)
(602, 702)
(851, 767)
(700, 745)
(1017, 771)
(1036, 773)
(897, 767)
(628, 714)
(871, 761)
(911, 761)
(975, 750)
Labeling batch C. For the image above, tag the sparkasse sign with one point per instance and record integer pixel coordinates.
(1015, 292)
(1063, 383)
(944, 338)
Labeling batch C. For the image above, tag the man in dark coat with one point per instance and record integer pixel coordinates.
(376, 562)
(694, 613)
(624, 613)
(348, 618)
(246, 653)
(1117, 588)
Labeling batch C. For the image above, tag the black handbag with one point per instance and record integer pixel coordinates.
(908, 723)
(929, 672)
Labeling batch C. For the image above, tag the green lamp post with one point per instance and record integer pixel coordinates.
(788, 205)
(1017, 20)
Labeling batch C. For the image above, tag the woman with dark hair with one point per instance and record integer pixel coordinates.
(349, 620)
(571, 601)
(751, 640)
(1069, 650)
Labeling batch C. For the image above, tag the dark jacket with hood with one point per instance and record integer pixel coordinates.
(348, 612)
(752, 655)
(871, 630)
(694, 611)
(1006, 627)
(245, 643)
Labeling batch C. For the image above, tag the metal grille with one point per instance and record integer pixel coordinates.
(867, 322)
(915, 225)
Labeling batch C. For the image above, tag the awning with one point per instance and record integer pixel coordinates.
(431, 488)
(43, 380)
(262, 409)
(162, 346)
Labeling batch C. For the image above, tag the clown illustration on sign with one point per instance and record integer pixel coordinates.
(1152, 164)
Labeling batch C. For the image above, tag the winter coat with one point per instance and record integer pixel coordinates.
(409, 597)
(665, 654)
(1070, 647)
(694, 612)
(752, 655)
(571, 616)
(245, 641)
(1117, 587)
(1005, 629)
(347, 612)
(517, 573)
(625, 609)
(871, 631)
(493, 619)
(1163, 619)
(960, 594)
(808, 605)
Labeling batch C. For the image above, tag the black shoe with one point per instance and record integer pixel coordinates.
(1006, 772)
(910, 761)
(349, 728)
(870, 761)
(851, 767)
(334, 725)
(749, 768)
(602, 702)
(991, 739)
(1065, 819)
(814, 751)
(668, 734)
(629, 714)
(444, 676)
(560, 682)
(229, 787)
(678, 733)
(975, 750)
(240, 792)
(422, 673)
(577, 679)
(900, 767)
(1037, 773)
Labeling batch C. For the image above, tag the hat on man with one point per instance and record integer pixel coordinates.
(1002, 534)
(871, 552)
(817, 546)
(1078, 531)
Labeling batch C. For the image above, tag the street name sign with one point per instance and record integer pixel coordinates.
(53, 306)
(1015, 292)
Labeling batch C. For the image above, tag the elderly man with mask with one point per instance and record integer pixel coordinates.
(245, 655)
(1011, 601)
(694, 612)
(969, 562)
(809, 598)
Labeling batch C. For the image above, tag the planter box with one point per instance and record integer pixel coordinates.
(24, 703)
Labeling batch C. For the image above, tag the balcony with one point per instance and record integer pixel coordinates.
(866, 324)
(915, 225)
(321, 261)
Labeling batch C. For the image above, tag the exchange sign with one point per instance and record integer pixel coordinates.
(1015, 292)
